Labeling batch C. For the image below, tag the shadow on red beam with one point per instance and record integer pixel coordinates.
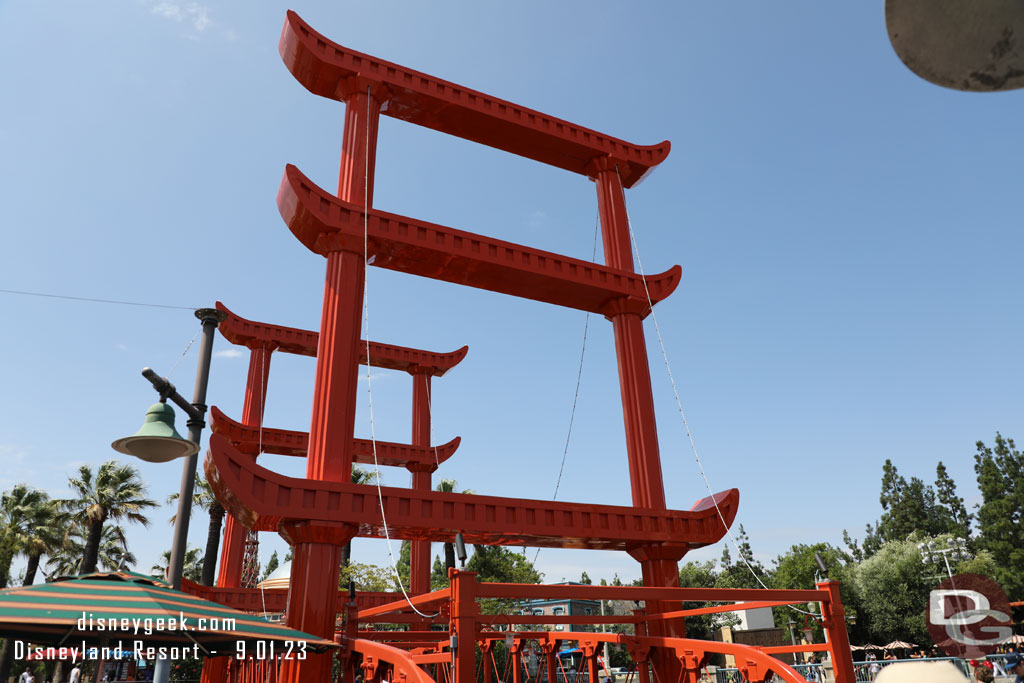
(442, 595)
(531, 591)
(386, 636)
(551, 619)
(716, 610)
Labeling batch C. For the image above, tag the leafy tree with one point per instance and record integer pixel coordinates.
(272, 564)
(438, 574)
(192, 568)
(498, 564)
(368, 577)
(359, 476)
(1000, 516)
(701, 575)
(585, 579)
(952, 513)
(116, 492)
(745, 573)
(798, 569)
(203, 498)
(448, 486)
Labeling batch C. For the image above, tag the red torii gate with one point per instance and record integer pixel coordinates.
(322, 512)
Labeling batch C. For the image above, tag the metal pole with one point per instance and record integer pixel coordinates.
(210, 318)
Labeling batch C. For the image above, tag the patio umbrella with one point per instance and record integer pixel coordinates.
(1015, 639)
(117, 608)
(869, 646)
(899, 645)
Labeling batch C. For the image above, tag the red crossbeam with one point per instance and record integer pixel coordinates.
(333, 71)
(238, 330)
(324, 223)
(287, 442)
(262, 500)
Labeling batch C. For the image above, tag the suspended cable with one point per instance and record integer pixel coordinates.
(579, 378)
(183, 353)
(369, 384)
(679, 403)
(98, 301)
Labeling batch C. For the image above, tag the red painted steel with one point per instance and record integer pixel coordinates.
(248, 440)
(249, 333)
(264, 500)
(419, 551)
(330, 70)
(272, 600)
(326, 224)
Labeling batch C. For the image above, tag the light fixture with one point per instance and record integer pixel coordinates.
(157, 440)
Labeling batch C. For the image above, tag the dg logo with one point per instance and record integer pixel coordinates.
(968, 616)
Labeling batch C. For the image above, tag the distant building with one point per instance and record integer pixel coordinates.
(564, 607)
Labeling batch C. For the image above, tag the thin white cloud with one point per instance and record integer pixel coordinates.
(228, 353)
(198, 16)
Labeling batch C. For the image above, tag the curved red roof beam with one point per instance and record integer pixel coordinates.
(249, 333)
(334, 71)
(249, 440)
(324, 223)
(262, 500)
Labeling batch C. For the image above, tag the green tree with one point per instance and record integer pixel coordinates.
(116, 492)
(700, 575)
(585, 579)
(203, 498)
(448, 486)
(359, 476)
(798, 569)
(192, 569)
(745, 573)
(113, 553)
(32, 528)
(953, 514)
(272, 564)
(1000, 472)
(368, 577)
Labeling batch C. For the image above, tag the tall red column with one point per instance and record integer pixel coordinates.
(229, 574)
(337, 358)
(316, 548)
(659, 566)
(419, 551)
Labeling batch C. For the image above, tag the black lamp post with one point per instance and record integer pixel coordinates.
(157, 441)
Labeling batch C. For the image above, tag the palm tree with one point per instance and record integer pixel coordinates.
(18, 507)
(113, 553)
(116, 492)
(192, 569)
(359, 476)
(203, 498)
(448, 486)
(32, 527)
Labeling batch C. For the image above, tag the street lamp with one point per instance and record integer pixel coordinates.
(957, 550)
(158, 441)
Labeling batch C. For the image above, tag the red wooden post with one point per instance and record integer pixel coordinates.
(316, 557)
(230, 571)
(419, 551)
(463, 626)
(337, 358)
(648, 491)
(229, 574)
(834, 618)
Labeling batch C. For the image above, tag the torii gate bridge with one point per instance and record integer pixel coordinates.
(322, 512)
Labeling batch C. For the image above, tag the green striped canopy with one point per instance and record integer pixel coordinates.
(104, 608)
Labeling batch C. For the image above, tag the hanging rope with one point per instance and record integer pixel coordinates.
(579, 378)
(679, 403)
(369, 383)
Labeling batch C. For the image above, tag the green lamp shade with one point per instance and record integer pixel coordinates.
(157, 441)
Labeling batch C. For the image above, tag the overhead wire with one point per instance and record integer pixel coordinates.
(94, 300)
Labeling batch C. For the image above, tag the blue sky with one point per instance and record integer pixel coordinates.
(849, 236)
